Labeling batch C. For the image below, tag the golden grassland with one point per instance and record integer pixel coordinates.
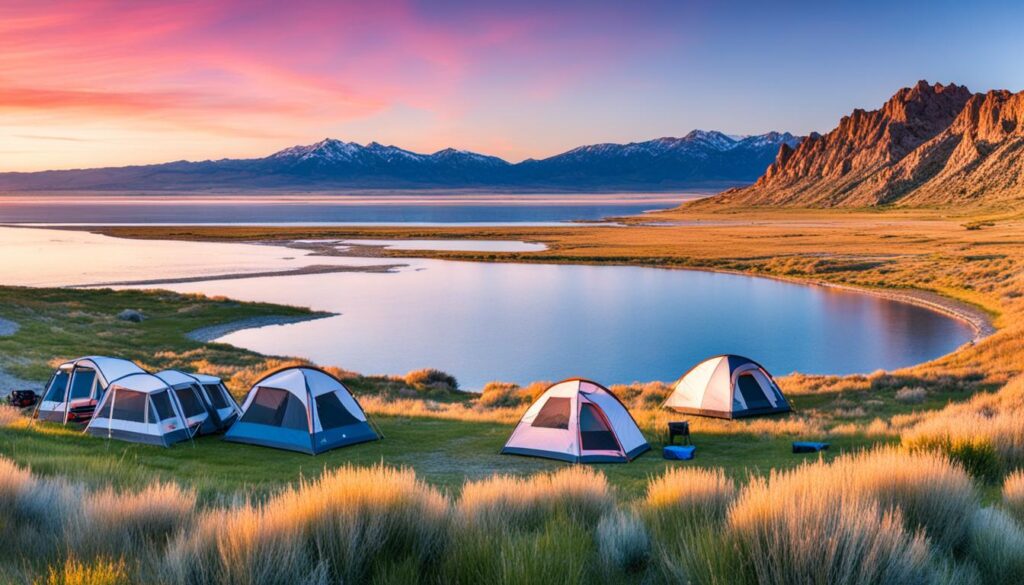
(938, 499)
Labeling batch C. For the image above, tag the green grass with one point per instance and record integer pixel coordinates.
(59, 324)
(444, 453)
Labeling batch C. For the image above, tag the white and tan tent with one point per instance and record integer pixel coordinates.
(301, 409)
(579, 421)
(727, 386)
(140, 408)
(78, 385)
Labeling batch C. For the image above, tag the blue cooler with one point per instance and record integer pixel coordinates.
(679, 452)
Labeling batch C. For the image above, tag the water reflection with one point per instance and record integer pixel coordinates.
(521, 323)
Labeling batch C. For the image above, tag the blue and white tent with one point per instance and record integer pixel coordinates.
(301, 409)
(78, 385)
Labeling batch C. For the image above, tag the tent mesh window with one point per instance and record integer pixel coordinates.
(104, 412)
(81, 383)
(752, 393)
(190, 404)
(216, 396)
(129, 405)
(332, 412)
(162, 404)
(554, 414)
(278, 408)
(594, 433)
(57, 387)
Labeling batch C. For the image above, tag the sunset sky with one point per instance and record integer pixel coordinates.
(93, 83)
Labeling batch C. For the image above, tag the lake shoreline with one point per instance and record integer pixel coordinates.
(211, 333)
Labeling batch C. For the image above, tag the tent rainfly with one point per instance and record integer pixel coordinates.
(301, 409)
(579, 421)
(140, 408)
(77, 386)
(205, 405)
(727, 386)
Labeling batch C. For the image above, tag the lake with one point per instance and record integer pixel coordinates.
(404, 209)
(515, 322)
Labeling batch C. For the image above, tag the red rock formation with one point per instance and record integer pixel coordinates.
(929, 144)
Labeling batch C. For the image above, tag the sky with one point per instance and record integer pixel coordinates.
(95, 83)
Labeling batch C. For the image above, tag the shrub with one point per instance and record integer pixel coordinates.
(622, 541)
(791, 529)
(505, 502)
(431, 379)
(126, 523)
(976, 453)
(1013, 495)
(339, 528)
(996, 545)
(99, 572)
(501, 394)
(690, 491)
(930, 491)
(915, 395)
(32, 510)
(9, 415)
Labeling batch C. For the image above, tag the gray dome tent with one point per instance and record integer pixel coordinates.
(140, 408)
(207, 404)
(727, 386)
(301, 409)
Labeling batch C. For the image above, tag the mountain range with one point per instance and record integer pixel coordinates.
(929, 145)
(701, 158)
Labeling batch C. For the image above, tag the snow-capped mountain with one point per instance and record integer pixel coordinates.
(700, 157)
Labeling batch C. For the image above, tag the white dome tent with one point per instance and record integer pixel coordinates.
(301, 409)
(579, 421)
(140, 408)
(77, 386)
(727, 386)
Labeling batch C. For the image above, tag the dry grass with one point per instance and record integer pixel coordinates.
(507, 502)
(98, 572)
(996, 546)
(126, 523)
(691, 491)
(792, 529)
(10, 416)
(1013, 495)
(336, 529)
(986, 433)
(462, 411)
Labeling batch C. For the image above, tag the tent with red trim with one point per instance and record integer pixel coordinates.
(579, 421)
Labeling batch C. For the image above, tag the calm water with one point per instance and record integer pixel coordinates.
(514, 322)
(341, 209)
(521, 323)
